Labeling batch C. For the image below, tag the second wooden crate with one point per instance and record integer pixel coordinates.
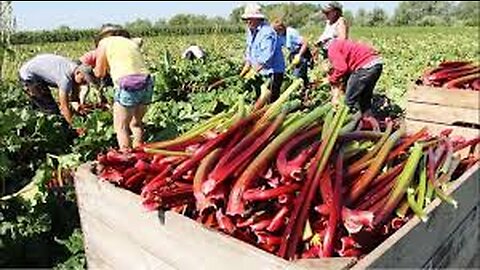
(441, 108)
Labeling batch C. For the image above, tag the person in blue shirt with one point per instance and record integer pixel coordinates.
(263, 54)
(300, 56)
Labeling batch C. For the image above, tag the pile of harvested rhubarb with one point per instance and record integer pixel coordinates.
(295, 183)
(453, 75)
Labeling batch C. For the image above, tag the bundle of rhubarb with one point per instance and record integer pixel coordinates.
(298, 184)
(453, 74)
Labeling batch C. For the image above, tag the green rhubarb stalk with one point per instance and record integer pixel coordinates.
(327, 124)
(166, 152)
(401, 184)
(422, 184)
(265, 95)
(417, 209)
(402, 209)
(276, 107)
(429, 193)
(191, 134)
(291, 118)
(367, 159)
(351, 123)
(360, 186)
(446, 198)
(235, 203)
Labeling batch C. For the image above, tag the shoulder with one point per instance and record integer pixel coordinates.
(342, 21)
(266, 29)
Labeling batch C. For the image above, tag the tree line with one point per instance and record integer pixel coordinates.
(407, 13)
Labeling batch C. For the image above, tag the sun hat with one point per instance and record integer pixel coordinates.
(332, 6)
(253, 11)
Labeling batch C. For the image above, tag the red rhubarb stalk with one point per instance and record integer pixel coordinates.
(221, 173)
(293, 232)
(330, 234)
(264, 195)
(205, 166)
(235, 204)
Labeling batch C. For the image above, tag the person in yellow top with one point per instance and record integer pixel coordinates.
(120, 57)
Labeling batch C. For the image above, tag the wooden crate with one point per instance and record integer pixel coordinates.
(120, 234)
(440, 108)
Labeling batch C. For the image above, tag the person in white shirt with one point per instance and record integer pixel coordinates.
(336, 25)
(193, 52)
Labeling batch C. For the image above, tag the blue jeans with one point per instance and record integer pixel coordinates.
(134, 98)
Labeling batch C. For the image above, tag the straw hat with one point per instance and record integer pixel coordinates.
(252, 11)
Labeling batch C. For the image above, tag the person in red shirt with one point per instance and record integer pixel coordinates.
(356, 66)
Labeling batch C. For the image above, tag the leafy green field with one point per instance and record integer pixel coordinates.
(407, 51)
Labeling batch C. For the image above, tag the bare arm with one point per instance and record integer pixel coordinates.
(304, 47)
(64, 108)
(101, 64)
(342, 29)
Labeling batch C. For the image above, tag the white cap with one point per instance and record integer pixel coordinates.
(253, 11)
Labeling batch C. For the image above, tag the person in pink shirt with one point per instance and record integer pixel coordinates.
(89, 58)
(356, 66)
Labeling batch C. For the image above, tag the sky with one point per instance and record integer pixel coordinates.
(37, 15)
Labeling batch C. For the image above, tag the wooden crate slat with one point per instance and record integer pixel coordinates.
(435, 128)
(442, 96)
(441, 114)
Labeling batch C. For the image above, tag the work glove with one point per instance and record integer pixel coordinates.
(244, 71)
(251, 74)
(296, 60)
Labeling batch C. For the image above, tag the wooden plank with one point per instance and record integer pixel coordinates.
(414, 126)
(441, 96)
(441, 114)
(416, 242)
(119, 251)
(331, 263)
(176, 240)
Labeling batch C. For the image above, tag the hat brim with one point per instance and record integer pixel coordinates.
(252, 16)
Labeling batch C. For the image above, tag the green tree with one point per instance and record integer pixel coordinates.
(361, 17)
(139, 24)
(377, 17)
(413, 12)
(468, 13)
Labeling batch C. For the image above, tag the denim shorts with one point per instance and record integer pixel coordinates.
(134, 98)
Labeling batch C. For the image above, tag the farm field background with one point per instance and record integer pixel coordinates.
(407, 51)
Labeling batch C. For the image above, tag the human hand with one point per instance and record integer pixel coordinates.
(244, 70)
(324, 81)
(81, 131)
(296, 60)
(251, 74)
(335, 96)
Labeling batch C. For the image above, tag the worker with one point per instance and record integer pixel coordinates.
(120, 57)
(89, 58)
(297, 45)
(193, 52)
(49, 70)
(263, 55)
(336, 26)
(356, 65)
